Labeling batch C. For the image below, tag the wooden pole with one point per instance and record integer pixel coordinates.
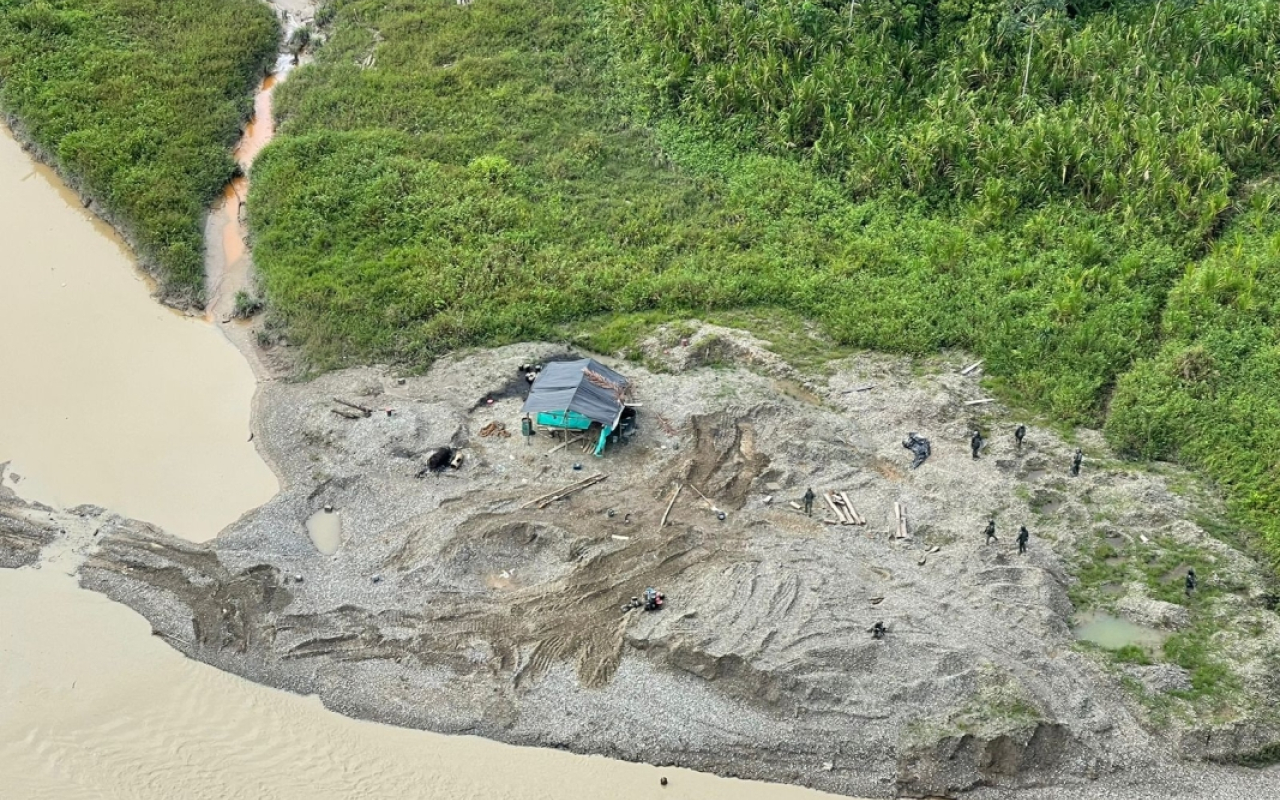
(368, 412)
(667, 513)
(563, 445)
(544, 500)
(971, 367)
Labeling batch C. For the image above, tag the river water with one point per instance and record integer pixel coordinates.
(108, 398)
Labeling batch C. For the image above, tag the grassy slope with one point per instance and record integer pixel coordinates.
(477, 184)
(139, 101)
(452, 175)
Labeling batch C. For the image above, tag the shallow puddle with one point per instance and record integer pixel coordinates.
(1113, 633)
(794, 390)
(325, 529)
(110, 398)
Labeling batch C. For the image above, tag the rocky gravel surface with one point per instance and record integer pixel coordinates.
(452, 605)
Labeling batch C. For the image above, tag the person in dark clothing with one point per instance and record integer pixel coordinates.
(1023, 536)
(976, 443)
(1019, 435)
(877, 630)
(808, 501)
(991, 532)
(1191, 581)
(1075, 462)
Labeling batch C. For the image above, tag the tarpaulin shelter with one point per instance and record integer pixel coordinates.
(574, 394)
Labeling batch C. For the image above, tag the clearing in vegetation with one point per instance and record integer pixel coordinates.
(138, 103)
(1027, 179)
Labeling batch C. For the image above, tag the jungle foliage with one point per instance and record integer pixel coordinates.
(139, 102)
(1028, 179)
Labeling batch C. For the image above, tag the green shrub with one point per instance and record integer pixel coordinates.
(140, 102)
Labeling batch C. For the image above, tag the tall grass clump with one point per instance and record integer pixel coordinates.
(138, 103)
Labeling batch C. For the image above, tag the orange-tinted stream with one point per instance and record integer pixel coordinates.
(228, 264)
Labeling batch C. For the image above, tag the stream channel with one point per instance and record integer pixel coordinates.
(112, 399)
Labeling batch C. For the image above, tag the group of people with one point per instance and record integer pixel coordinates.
(1023, 535)
(977, 442)
(921, 450)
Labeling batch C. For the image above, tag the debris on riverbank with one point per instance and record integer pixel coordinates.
(452, 604)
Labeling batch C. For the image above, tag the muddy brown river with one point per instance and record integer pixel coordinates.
(110, 398)
(113, 400)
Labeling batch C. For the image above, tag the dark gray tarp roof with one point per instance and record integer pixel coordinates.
(563, 386)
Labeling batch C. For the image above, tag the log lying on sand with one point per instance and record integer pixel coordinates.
(365, 410)
(900, 512)
(853, 512)
(560, 494)
(834, 508)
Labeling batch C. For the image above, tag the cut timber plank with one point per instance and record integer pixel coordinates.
(979, 402)
(796, 506)
(971, 367)
(835, 509)
(846, 508)
(857, 518)
(837, 505)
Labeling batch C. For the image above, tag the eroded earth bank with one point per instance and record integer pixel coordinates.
(451, 605)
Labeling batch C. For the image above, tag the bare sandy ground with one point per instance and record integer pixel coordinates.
(450, 607)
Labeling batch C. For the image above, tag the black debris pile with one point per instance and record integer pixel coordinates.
(919, 446)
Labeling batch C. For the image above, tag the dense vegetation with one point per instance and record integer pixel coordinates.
(1029, 179)
(139, 101)
(1211, 395)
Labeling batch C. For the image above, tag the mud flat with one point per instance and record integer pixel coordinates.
(450, 607)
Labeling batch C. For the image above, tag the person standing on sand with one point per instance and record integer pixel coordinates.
(1191, 581)
(991, 532)
(976, 443)
(1023, 536)
(1075, 462)
(808, 501)
(1019, 435)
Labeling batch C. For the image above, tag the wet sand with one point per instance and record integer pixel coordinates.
(110, 398)
(93, 706)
